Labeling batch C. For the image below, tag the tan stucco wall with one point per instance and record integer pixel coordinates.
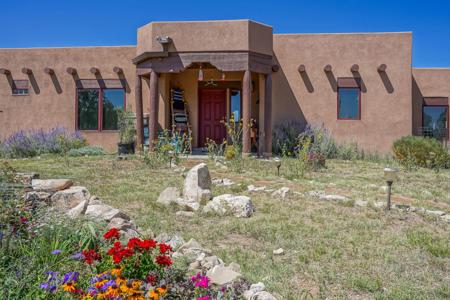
(428, 83)
(386, 113)
(236, 35)
(45, 107)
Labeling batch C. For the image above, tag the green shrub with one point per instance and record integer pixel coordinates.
(88, 150)
(421, 152)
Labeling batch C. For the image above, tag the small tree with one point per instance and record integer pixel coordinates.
(126, 126)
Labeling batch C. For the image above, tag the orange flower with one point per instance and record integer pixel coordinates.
(69, 287)
(117, 271)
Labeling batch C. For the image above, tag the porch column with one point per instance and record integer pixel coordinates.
(246, 113)
(153, 116)
(268, 116)
(139, 112)
(261, 120)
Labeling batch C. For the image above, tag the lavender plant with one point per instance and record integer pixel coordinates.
(39, 141)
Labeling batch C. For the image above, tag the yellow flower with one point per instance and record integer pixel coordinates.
(69, 287)
(136, 296)
(120, 281)
(99, 284)
(136, 284)
(112, 291)
(87, 297)
(155, 294)
(117, 271)
(127, 288)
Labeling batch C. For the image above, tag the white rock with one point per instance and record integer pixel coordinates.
(281, 192)
(186, 214)
(78, 210)
(384, 188)
(210, 262)
(188, 205)
(315, 194)
(69, 198)
(239, 206)
(332, 198)
(258, 287)
(446, 218)
(197, 185)
(361, 203)
(235, 267)
(50, 185)
(168, 195)
(37, 196)
(105, 212)
(263, 296)
(222, 275)
(222, 182)
(252, 188)
(436, 213)
(379, 204)
(279, 251)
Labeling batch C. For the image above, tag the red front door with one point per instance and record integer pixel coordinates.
(212, 112)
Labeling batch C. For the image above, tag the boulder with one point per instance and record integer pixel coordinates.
(222, 275)
(78, 210)
(168, 196)
(50, 185)
(279, 251)
(187, 205)
(446, 218)
(254, 289)
(210, 262)
(436, 213)
(197, 185)
(235, 267)
(282, 192)
(121, 224)
(25, 178)
(239, 206)
(35, 196)
(105, 212)
(69, 198)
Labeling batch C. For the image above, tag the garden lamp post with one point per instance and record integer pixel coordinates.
(390, 175)
(171, 156)
(277, 162)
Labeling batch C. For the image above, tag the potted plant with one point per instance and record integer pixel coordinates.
(127, 132)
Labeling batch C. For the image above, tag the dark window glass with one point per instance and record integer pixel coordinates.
(435, 121)
(88, 109)
(236, 105)
(20, 92)
(113, 100)
(348, 106)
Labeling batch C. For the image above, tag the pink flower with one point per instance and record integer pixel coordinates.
(204, 298)
(200, 281)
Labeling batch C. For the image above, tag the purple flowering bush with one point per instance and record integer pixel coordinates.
(38, 141)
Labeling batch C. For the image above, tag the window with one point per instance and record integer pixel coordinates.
(236, 105)
(435, 121)
(97, 108)
(349, 103)
(20, 88)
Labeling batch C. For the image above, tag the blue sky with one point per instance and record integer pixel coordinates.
(45, 23)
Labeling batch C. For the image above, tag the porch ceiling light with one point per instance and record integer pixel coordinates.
(200, 73)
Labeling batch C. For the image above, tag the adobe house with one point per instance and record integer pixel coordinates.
(361, 86)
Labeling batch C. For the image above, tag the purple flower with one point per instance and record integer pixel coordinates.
(70, 276)
(77, 256)
(57, 251)
(52, 281)
(107, 284)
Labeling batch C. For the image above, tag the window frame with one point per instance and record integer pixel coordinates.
(358, 118)
(22, 88)
(100, 108)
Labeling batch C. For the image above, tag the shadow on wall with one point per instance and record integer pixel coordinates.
(55, 82)
(34, 83)
(286, 108)
(307, 81)
(417, 103)
(386, 82)
(357, 75)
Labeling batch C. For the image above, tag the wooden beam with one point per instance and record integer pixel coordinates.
(95, 70)
(246, 112)
(5, 71)
(354, 68)
(153, 116)
(328, 68)
(382, 68)
(71, 71)
(275, 68)
(27, 71)
(117, 70)
(139, 112)
(49, 71)
(302, 68)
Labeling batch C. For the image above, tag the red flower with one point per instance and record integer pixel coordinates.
(164, 248)
(163, 260)
(118, 252)
(147, 244)
(112, 233)
(90, 255)
(23, 219)
(151, 279)
(134, 243)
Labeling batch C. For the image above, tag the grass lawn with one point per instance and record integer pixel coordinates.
(331, 250)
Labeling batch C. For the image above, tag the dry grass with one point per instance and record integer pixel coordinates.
(331, 250)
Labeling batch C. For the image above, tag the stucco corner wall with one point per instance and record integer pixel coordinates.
(51, 101)
(311, 97)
